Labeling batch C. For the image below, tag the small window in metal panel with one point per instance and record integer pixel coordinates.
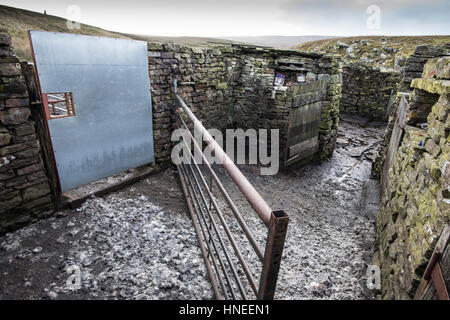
(59, 105)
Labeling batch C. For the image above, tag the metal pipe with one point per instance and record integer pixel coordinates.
(228, 232)
(227, 256)
(254, 198)
(228, 199)
(212, 242)
(200, 242)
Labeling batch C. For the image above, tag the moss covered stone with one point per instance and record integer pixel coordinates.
(413, 215)
(443, 68)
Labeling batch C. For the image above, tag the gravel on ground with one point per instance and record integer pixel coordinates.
(139, 243)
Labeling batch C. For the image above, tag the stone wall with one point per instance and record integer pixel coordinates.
(232, 86)
(414, 214)
(204, 81)
(225, 86)
(415, 63)
(24, 188)
(366, 90)
(414, 68)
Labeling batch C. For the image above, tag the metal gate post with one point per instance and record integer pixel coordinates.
(272, 256)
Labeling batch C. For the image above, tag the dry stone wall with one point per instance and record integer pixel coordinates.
(24, 188)
(366, 90)
(232, 86)
(415, 63)
(413, 69)
(225, 86)
(412, 217)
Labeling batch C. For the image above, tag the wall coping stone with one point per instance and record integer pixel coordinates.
(432, 85)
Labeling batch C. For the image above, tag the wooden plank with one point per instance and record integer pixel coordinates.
(396, 138)
(304, 155)
(143, 172)
(303, 131)
(302, 146)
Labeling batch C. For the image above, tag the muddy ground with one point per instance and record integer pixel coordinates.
(138, 243)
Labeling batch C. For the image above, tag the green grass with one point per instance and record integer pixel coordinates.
(17, 22)
(403, 45)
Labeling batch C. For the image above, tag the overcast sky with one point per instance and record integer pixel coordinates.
(253, 17)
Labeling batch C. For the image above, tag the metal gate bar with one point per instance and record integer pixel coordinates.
(222, 265)
(227, 197)
(211, 238)
(227, 231)
(225, 226)
(254, 198)
(230, 237)
(201, 243)
(215, 247)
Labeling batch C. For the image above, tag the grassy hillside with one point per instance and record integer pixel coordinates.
(376, 50)
(17, 22)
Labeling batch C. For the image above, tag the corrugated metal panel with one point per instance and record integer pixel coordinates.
(112, 129)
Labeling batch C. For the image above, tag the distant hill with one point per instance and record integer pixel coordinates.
(376, 50)
(283, 42)
(189, 41)
(17, 22)
(382, 51)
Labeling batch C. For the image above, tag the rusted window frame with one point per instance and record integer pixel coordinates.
(70, 105)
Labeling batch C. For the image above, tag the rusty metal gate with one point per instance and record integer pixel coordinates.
(96, 97)
(304, 121)
(436, 278)
(217, 230)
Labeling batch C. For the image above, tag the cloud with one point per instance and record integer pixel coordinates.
(358, 4)
(349, 17)
(253, 17)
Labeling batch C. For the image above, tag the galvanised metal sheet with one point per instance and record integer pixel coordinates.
(112, 129)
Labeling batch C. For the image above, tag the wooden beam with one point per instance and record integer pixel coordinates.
(73, 201)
